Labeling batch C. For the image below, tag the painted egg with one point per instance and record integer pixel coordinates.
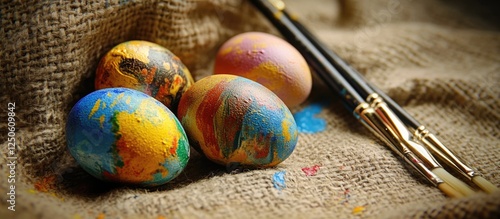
(268, 60)
(237, 122)
(123, 135)
(147, 67)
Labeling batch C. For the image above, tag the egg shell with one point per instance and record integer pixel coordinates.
(146, 67)
(123, 135)
(268, 60)
(237, 122)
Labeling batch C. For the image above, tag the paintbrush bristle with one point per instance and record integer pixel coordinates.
(457, 184)
(484, 184)
(449, 191)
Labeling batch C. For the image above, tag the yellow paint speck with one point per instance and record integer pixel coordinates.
(257, 46)
(358, 210)
(176, 84)
(226, 50)
(167, 66)
(120, 96)
(55, 195)
(101, 120)
(95, 108)
(286, 127)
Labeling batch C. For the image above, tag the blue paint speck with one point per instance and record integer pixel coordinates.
(307, 120)
(279, 180)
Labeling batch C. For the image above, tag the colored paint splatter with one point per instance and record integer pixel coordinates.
(33, 191)
(279, 180)
(358, 210)
(307, 120)
(101, 216)
(347, 196)
(311, 171)
(46, 184)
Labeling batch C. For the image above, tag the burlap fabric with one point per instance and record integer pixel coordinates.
(439, 59)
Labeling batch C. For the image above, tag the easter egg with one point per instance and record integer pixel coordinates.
(123, 135)
(268, 60)
(146, 67)
(237, 122)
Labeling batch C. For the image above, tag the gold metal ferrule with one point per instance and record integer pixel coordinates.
(278, 4)
(444, 154)
(400, 129)
(381, 126)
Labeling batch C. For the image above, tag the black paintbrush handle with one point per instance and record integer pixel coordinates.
(314, 57)
(363, 87)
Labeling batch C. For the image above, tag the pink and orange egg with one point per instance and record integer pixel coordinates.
(268, 60)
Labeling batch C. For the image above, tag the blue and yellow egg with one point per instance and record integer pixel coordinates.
(147, 67)
(235, 121)
(123, 135)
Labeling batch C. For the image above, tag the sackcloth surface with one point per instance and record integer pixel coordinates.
(439, 59)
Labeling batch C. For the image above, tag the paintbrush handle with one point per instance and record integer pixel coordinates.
(335, 80)
(350, 74)
(328, 70)
(356, 79)
(365, 89)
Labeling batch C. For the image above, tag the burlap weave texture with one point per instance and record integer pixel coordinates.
(438, 59)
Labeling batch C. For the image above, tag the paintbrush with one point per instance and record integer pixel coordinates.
(374, 113)
(420, 132)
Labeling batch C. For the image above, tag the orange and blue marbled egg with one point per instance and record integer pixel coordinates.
(268, 60)
(235, 122)
(123, 135)
(147, 67)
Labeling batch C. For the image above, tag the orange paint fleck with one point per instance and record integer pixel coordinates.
(46, 184)
(150, 75)
(101, 216)
(164, 92)
(175, 144)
